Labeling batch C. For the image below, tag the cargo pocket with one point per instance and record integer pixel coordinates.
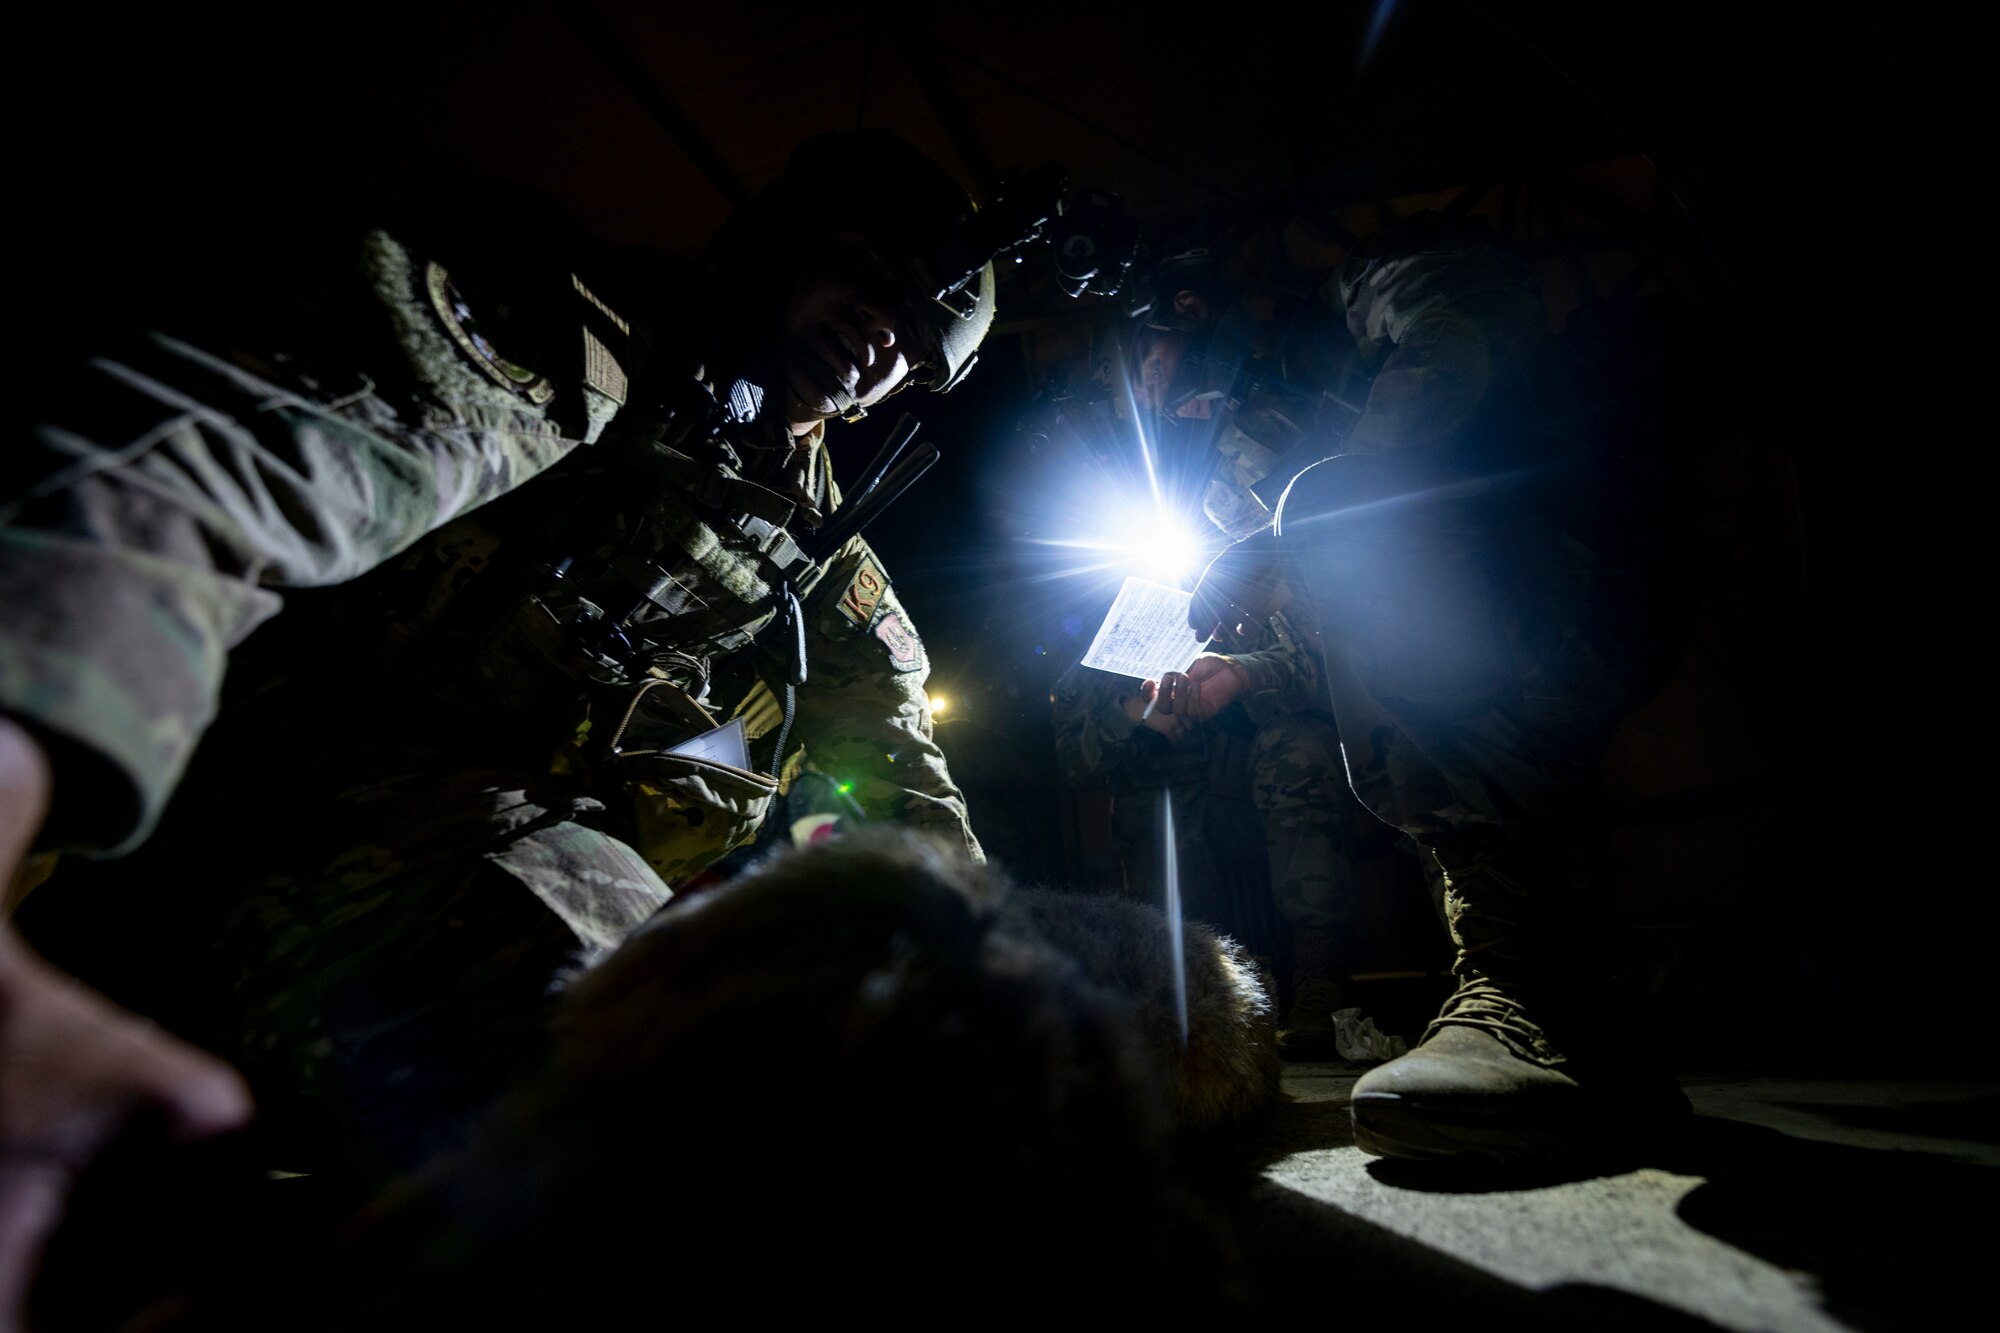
(597, 886)
(687, 812)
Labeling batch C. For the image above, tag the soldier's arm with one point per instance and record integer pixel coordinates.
(1245, 602)
(168, 495)
(1451, 315)
(1283, 674)
(863, 714)
(1094, 727)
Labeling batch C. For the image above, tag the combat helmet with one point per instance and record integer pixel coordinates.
(1198, 270)
(868, 196)
(1213, 347)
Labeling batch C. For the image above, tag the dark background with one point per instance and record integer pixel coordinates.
(1804, 838)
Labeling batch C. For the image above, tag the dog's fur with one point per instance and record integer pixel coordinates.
(1227, 1068)
(870, 1076)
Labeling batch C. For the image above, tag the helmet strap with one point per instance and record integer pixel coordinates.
(802, 354)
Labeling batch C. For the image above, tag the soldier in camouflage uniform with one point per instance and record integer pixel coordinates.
(430, 793)
(1478, 590)
(1102, 742)
(1246, 403)
(1202, 769)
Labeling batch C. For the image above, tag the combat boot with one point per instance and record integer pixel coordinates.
(1531, 1058)
(1318, 988)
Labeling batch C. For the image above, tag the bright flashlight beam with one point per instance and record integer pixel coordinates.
(1146, 541)
(1145, 446)
(1173, 874)
(1114, 513)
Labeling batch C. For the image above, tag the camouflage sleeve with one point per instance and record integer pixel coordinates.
(159, 506)
(1092, 732)
(1285, 673)
(863, 714)
(1449, 313)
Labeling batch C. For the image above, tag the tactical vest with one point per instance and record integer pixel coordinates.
(583, 612)
(673, 559)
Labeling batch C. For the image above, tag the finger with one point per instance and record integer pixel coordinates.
(82, 1070)
(196, 1095)
(201, 1096)
(31, 1201)
(24, 795)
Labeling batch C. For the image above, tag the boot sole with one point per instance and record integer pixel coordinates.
(1394, 1126)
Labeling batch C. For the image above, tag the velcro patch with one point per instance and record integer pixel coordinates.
(864, 594)
(905, 652)
(601, 370)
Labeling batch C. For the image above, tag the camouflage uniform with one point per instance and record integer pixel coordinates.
(1300, 788)
(1098, 745)
(1283, 755)
(1481, 635)
(423, 801)
(1285, 417)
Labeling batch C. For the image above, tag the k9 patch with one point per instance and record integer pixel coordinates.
(864, 594)
(905, 652)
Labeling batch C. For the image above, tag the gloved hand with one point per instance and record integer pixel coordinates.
(1240, 589)
(671, 405)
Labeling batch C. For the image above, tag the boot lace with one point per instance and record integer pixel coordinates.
(1480, 1002)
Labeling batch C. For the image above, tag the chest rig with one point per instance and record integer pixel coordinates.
(698, 566)
(667, 558)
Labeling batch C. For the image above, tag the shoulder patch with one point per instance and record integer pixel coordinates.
(864, 593)
(905, 652)
(458, 321)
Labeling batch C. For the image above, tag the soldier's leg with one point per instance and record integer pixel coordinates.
(1473, 712)
(1136, 831)
(395, 973)
(1299, 787)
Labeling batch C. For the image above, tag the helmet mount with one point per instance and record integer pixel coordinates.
(875, 196)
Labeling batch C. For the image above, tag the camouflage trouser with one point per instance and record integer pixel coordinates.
(1477, 661)
(395, 955)
(1301, 792)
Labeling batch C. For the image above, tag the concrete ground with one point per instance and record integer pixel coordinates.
(1811, 1204)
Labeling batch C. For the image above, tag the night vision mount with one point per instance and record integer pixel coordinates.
(1091, 240)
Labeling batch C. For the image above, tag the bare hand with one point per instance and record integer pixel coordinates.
(1139, 708)
(74, 1070)
(1209, 685)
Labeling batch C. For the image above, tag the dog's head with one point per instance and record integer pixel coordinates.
(848, 1080)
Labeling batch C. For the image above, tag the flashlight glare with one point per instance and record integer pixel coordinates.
(938, 702)
(1159, 545)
